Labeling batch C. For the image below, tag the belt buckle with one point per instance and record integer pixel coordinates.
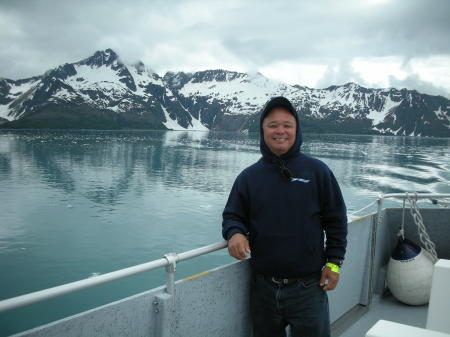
(283, 281)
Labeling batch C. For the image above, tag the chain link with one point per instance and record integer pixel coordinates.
(422, 230)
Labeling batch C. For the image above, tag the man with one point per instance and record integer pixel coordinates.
(277, 211)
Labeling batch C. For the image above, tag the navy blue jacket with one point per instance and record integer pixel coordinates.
(284, 219)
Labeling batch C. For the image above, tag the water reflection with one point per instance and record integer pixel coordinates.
(104, 166)
(5, 164)
(175, 138)
(149, 169)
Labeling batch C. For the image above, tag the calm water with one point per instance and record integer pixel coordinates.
(76, 204)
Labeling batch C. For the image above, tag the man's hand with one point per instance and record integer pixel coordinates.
(329, 279)
(238, 246)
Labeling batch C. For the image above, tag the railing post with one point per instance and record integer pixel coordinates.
(171, 268)
(373, 242)
(165, 302)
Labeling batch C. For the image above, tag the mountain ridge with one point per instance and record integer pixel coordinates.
(101, 91)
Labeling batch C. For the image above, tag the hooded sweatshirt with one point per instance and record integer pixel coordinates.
(285, 217)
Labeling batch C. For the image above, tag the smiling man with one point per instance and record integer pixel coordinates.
(278, 212)
(279, 129)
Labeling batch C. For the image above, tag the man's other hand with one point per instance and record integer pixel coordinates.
(238, 246)
(329, 279)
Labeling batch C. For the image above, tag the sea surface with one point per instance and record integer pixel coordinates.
(75, 204)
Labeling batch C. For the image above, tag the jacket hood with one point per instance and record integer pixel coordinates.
(279, 102)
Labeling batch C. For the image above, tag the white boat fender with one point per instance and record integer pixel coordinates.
(409, 273)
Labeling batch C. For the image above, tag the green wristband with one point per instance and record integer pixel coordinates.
(333, 267)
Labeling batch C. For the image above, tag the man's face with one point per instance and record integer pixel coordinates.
(279, 128)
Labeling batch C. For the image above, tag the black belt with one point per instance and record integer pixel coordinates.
(286, 281)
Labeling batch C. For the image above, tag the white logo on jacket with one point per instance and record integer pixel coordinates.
(300, 180)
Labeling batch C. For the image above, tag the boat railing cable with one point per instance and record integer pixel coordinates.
(362, 209)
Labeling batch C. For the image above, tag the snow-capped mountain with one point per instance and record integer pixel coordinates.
(347, 108)
(103, 92)
(98, 92)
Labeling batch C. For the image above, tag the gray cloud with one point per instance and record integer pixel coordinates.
(415, 82)
(242, 35)
(334, 29)
(344, 73)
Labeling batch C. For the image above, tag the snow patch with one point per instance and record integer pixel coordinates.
(243, 95)
(64, 94)
(94, 75)
(143, 78)
(4, 111)
(197, 125)
(171, 124)
(16, 90)
(442, 115)
(378, 116)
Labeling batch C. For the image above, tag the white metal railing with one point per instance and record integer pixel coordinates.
(414, 195)
(169, 261)
(381, 197)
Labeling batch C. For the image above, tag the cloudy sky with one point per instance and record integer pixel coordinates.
(376, 43)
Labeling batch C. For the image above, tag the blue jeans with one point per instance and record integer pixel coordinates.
(302, 304)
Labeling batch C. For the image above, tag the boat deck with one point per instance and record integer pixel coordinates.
(359, 320)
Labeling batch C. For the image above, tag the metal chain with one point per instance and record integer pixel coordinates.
(422, 230)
